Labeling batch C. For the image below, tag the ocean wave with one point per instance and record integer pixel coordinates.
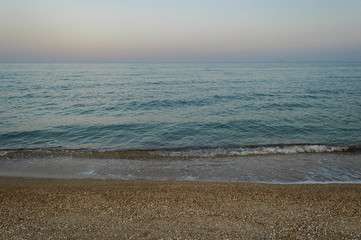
(207, 152)
(260, 150)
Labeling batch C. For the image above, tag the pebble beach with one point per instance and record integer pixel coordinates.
(140, 209)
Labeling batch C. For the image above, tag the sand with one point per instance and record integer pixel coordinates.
(115, 209)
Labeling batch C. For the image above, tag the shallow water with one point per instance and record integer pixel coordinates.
(276, 168)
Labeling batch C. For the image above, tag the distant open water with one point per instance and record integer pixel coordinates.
(260, 122)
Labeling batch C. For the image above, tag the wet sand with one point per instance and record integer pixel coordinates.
(115, 209)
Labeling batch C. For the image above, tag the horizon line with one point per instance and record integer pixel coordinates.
(173, 62)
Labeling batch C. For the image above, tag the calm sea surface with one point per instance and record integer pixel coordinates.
(271, 122)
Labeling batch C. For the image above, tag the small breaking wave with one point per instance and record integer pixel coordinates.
(176, 153)
(260, 150)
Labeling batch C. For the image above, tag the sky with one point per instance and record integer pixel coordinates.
(179, 30)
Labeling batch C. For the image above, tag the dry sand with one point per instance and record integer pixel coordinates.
(114, 209)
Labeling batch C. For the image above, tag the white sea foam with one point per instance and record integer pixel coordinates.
(250, 151)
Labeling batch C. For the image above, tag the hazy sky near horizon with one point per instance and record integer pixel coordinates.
(179, 30)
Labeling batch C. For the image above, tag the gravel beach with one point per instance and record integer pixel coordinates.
(116, 209)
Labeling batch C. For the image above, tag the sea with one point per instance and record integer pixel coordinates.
(279, 122)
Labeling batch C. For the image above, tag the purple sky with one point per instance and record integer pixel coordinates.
(184, 30)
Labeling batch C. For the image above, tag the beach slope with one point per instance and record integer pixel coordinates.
(115, 209)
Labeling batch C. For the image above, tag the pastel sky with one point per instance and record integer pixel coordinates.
(179, 30)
